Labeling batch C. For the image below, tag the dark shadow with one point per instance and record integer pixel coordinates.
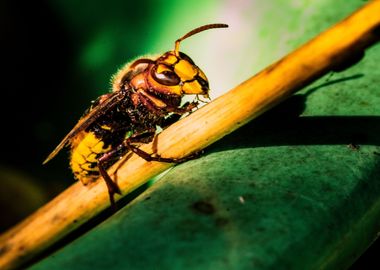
(328, 82)
(313, 130)
(283, 125)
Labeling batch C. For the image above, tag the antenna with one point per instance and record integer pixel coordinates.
(196, 31)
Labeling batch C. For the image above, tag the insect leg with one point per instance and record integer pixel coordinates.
(113, 188)
(187, 107)
(106, 158)
(155, 157)
(177, 114)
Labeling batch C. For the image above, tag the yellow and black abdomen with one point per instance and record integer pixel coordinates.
(86, 150)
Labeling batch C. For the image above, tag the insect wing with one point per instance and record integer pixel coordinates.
(87, 120)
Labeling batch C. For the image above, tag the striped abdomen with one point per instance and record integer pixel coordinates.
(85, 153)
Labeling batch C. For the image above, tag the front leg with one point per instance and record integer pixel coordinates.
(177, 113)
(186, 108)
(155, 157)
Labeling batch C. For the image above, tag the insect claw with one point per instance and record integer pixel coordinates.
(112, 190)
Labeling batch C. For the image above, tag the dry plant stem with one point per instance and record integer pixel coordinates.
(78, 204)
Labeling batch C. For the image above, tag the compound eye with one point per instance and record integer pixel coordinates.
(164, 75)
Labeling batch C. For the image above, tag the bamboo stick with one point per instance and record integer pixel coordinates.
(329, 51)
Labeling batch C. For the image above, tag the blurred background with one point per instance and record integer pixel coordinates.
(59, 55)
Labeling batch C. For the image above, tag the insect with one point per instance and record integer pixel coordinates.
(145, 94)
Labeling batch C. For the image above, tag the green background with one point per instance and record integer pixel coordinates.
(284, 192)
